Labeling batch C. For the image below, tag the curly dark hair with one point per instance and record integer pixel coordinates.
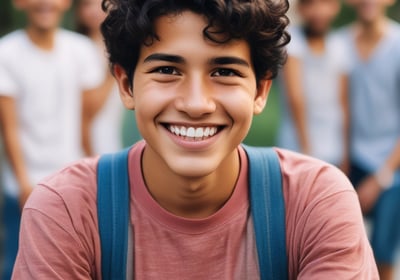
(262, 23)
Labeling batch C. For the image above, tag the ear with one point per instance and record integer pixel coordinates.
(125, 90)
(261, 98)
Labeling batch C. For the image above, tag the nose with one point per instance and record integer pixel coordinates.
(195, 98)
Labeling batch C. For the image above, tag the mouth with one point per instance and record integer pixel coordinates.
(44, 9)
(194, 133)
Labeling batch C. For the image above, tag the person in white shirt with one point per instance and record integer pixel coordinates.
(44, 72)
(314, 87)
(102, 127)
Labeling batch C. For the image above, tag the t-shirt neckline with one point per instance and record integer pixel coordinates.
(140, 197)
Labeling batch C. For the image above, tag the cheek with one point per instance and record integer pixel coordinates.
(150, 101)
(238, 104)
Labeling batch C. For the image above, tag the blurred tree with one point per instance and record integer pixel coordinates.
(6, 16)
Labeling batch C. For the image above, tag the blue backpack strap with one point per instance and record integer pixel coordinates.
(113, 197)
(268, 212)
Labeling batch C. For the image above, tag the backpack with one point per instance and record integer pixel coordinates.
(266, 202)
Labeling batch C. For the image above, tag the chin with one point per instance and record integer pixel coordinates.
(193, 168)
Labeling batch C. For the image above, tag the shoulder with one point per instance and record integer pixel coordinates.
(72, 191)
(395, 27)
(77, 42)
(297, 45)
(344, 35)
(394, 32)
(308, 181)
(11, 42)
(295, 32)
(73, 36)
(339, 49)
(324, 225)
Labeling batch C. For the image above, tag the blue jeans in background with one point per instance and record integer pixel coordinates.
(385, 217)
(11, 217)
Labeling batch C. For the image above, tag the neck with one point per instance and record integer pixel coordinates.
(96, 37)
(372, 29)
(190, 197)
(317, 44)
(316, 40)
(43, 39)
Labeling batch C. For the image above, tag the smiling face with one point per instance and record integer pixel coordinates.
(194, 99)
(43, 15)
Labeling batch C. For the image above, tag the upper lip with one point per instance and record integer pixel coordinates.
(185, 124)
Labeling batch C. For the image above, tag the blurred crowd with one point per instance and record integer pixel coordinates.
(339, 97)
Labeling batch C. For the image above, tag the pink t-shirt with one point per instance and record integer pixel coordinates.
(325, 233)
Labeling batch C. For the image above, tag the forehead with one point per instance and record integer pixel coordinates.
(183, 34)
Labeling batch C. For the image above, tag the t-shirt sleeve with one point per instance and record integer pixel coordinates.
(296, 46)
(326, 237)
(92, 68)
(334, 242)
(49, 246)
(8, 83)
(341, 48)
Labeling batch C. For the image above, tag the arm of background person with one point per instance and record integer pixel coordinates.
(11, 142)
(292, 81)
(344, 101)
(92, 102)
(370, 189)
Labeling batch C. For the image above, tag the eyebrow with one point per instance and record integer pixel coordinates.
(221, 60)
(164, 57)
(224, 60)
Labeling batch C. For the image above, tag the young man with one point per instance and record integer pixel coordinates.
(374, 42)
(314, 87)
(43, 72)
(195, 72)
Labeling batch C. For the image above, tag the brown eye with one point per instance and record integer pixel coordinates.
(225, 72)
(166, 70)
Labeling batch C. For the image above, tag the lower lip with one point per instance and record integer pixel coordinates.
(193, 144)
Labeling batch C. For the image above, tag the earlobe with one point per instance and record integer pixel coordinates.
(124, 85)
(262, 96)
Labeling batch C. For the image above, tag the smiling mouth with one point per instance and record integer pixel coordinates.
(194, 133)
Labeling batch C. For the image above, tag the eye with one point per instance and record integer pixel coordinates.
(225, 72)
(166, 70)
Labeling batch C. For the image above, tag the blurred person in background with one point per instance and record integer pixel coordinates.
(44, 71)
(314, 87)
(374, 78)
(103, 112)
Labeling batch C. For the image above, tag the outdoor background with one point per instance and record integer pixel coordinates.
(264, 127)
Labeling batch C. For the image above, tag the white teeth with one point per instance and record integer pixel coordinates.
(190, 132)
(199, 132)
(213, 130)
(206, 132)
(182, 131)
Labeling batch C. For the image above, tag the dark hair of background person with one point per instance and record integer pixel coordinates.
(262, 23)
